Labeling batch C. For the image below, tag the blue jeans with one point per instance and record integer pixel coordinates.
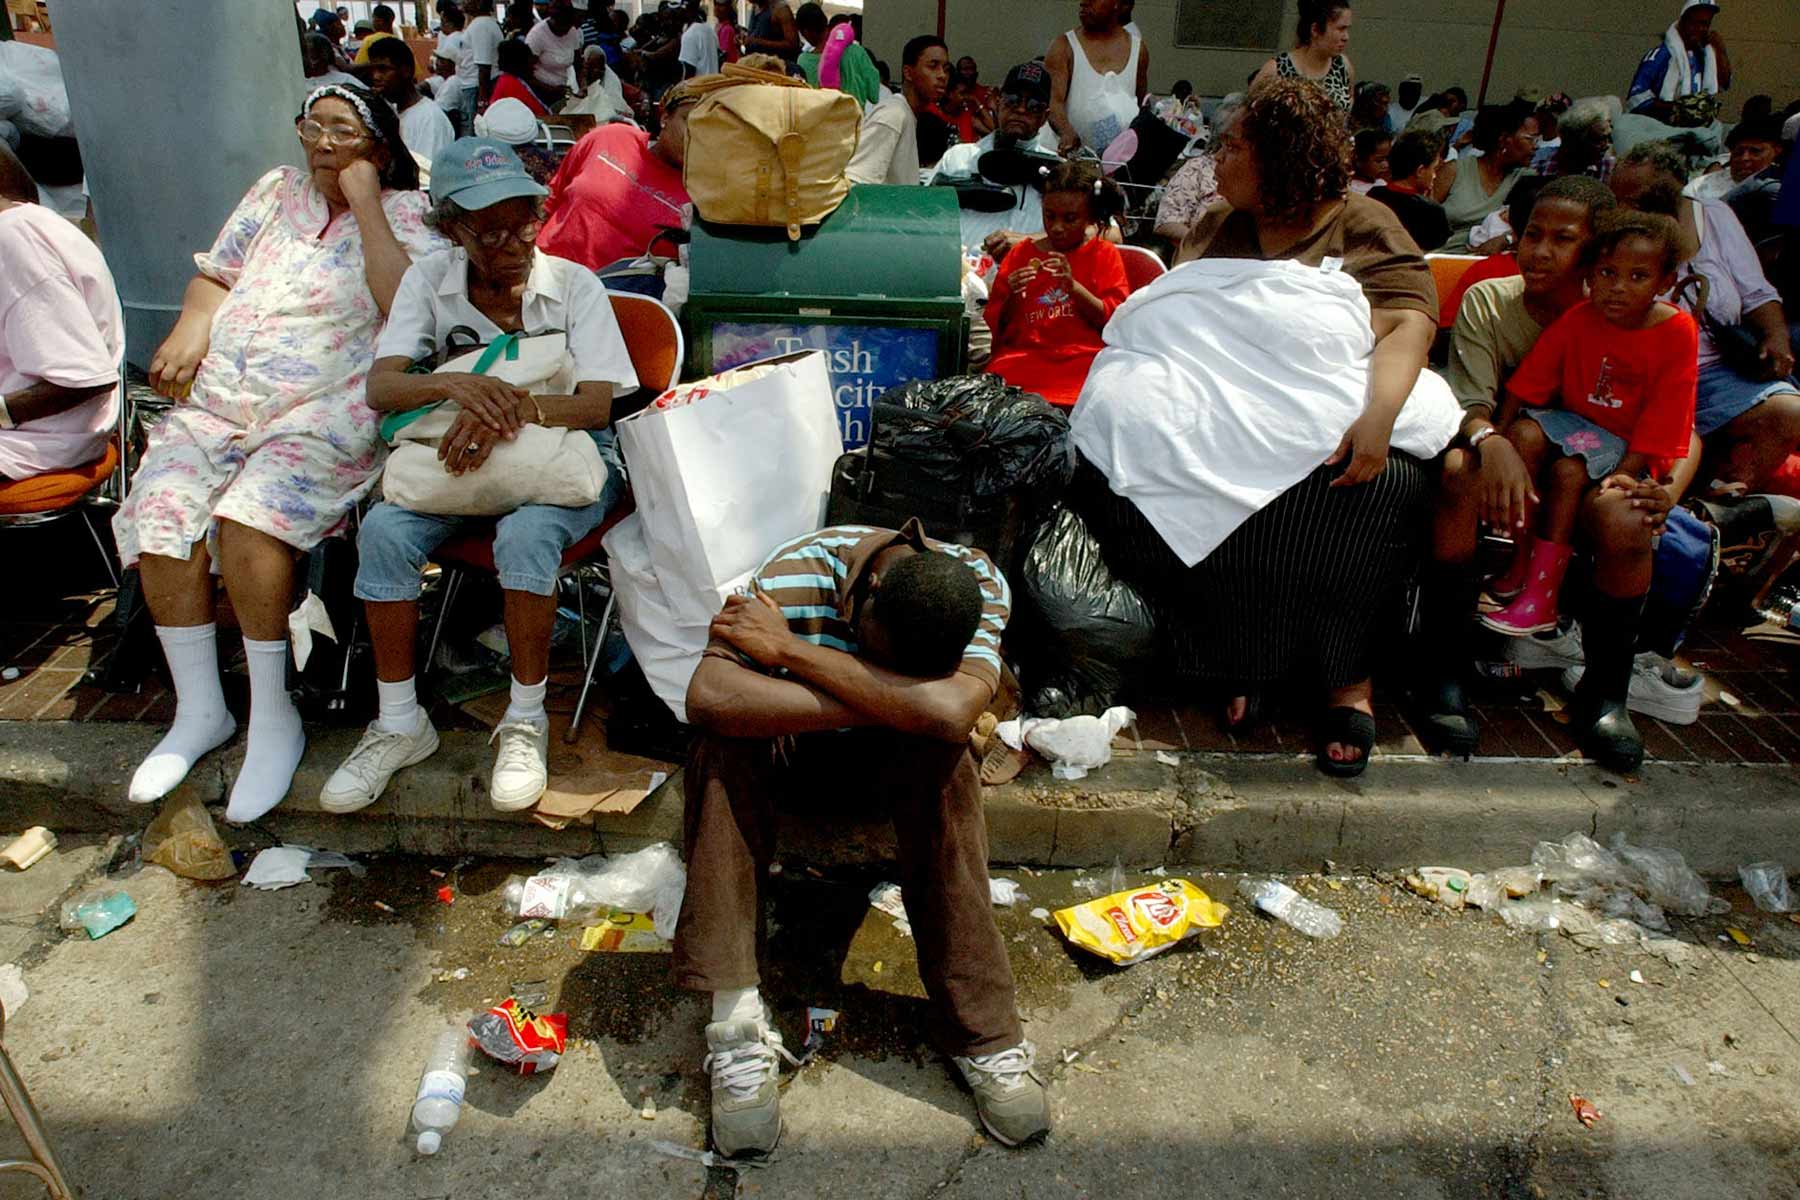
(396, 543)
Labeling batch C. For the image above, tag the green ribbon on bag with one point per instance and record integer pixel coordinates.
(506, 344)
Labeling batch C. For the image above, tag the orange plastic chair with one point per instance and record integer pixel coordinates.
(1447, 271)
(653, 339)
(54, 495)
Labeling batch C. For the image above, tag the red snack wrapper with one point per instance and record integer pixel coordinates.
(513, 1034)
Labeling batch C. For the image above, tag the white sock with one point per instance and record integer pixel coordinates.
(202, 722)
(738, 1004)
(527, 701)
(276, 740)
(400, 711)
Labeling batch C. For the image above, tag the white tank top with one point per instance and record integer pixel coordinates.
(1101, 107)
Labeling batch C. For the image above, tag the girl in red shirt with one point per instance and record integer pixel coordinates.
(1055, 292)
(1604, 399)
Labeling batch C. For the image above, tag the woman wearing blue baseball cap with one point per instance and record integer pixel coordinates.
(494, 282)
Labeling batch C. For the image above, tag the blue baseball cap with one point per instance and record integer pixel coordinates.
(476, 173)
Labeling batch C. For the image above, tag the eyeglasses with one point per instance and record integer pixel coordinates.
(496, 239)
(315, 134)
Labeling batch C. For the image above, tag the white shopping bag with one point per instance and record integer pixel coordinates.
(667, 648)
(729, 468)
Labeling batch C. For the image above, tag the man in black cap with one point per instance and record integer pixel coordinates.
(1024, 113)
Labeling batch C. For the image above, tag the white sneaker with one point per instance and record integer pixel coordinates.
(521, 770)
(1659, 689)
(744, 1060)
(1553, 649)
(362, 777)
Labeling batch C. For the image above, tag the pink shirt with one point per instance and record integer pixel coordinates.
(60, 321)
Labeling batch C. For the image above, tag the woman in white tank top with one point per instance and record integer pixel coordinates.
(1101, 107)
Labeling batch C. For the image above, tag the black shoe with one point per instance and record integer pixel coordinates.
(1442, 719)
(1607, 735)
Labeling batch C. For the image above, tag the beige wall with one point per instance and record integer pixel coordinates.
(1583, 47)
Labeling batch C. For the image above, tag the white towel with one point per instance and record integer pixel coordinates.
(1678, 80)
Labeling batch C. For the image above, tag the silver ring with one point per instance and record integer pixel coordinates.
(471, 447)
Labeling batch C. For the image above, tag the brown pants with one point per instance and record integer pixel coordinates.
(934, 795)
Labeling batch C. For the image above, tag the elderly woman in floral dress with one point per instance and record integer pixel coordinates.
(270, 444)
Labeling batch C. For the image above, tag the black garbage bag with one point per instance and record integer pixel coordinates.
(978, 433)
(1084, 635)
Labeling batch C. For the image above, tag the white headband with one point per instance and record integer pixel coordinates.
(349, 97)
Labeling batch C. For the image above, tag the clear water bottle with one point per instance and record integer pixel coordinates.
(1291, 908)
(440, 1097)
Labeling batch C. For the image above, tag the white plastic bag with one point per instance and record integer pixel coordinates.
(32, 95)
(651, 880)
(1073, 746)
(1767, 883)
(1667, 880)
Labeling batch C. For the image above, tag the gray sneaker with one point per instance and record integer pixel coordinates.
(1008, 1094)
(361, 778)
(745, 1062)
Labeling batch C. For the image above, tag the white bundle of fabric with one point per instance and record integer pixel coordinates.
(1227, 381)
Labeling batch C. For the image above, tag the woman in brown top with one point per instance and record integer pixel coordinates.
(1296, 592)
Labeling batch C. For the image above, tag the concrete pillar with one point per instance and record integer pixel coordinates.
(179, 109)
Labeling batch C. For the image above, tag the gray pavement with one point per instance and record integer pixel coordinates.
(230, 1042)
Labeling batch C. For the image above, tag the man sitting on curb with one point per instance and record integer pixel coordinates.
(857, 648)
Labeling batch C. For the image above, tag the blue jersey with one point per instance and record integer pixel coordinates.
(1646, 85)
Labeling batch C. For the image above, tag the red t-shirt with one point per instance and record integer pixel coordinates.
(1041, 343)
(611, 198)
(1637, 383)
(511, 87)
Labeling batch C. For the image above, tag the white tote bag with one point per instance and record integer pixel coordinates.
(727, 469)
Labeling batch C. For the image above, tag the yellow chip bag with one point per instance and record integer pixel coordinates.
(1130, 926)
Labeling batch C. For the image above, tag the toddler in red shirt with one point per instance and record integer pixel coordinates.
(1604, 399)
(1055, 292)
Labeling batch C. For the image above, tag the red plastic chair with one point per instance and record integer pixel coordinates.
(1142, 267)
(653, 339)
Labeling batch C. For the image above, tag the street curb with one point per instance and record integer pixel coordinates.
(1214, 811)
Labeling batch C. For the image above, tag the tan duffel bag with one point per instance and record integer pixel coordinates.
(765, 149)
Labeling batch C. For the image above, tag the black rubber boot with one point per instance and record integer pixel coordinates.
(1599, 716)
(1441, 713)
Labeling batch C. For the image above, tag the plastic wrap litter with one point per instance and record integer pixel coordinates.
(1083, 634)
(1767, 883)
(651, 880)
(1130, 926)
(1072, 746)
(512, 1034)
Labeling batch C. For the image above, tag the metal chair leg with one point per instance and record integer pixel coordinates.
(106, 558)
(573, 733)
(452, 583)
(31, 1127)
(581, 610)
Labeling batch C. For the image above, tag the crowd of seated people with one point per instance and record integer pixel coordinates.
(1586, 389)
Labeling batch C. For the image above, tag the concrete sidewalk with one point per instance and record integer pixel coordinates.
(1220, 811)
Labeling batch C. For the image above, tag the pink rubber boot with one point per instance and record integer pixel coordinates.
(1535, 608)
(1509, 583)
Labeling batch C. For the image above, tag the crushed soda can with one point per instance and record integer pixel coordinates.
(523, 932)
(513, 1034)
(1130, 926)
(819, 1022)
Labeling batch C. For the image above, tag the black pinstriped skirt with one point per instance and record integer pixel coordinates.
(1295, 594)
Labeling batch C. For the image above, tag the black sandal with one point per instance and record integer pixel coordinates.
(1349, 727)
(1253, 712)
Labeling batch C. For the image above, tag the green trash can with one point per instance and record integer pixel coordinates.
(877, 286)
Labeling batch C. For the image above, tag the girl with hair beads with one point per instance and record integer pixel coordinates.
(1055, 292)
(1605, 398)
